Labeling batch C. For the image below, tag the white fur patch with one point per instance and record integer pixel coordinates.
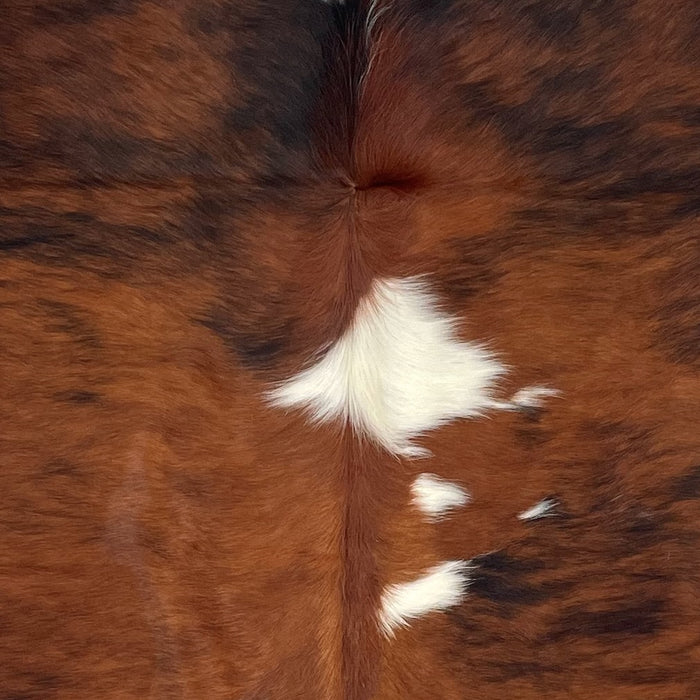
(435, 496)
(399, 370)
(544, 509)
(528, 398)
(533, 396)
(442, 587)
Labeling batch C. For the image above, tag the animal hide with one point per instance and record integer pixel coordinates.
(350, 350)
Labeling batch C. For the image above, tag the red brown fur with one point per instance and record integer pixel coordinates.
(194, 196)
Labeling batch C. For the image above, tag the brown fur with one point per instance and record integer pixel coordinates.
(193, 197)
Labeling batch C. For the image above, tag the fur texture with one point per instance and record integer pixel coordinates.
(440, 588)
(398, 371)
(436, 497)
(202, 201)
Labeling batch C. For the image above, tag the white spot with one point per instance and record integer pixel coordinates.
(528, 398)
(399, 370)
(442, 587)
(435, 496)
(544, 509)
(533, 396)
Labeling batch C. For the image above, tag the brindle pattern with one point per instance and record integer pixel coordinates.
(179, 228)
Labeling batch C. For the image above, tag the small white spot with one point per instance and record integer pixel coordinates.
(528, 398)
(442, 587)
(399, 371)
(544, 509)
(435, 496)
(533, 396)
